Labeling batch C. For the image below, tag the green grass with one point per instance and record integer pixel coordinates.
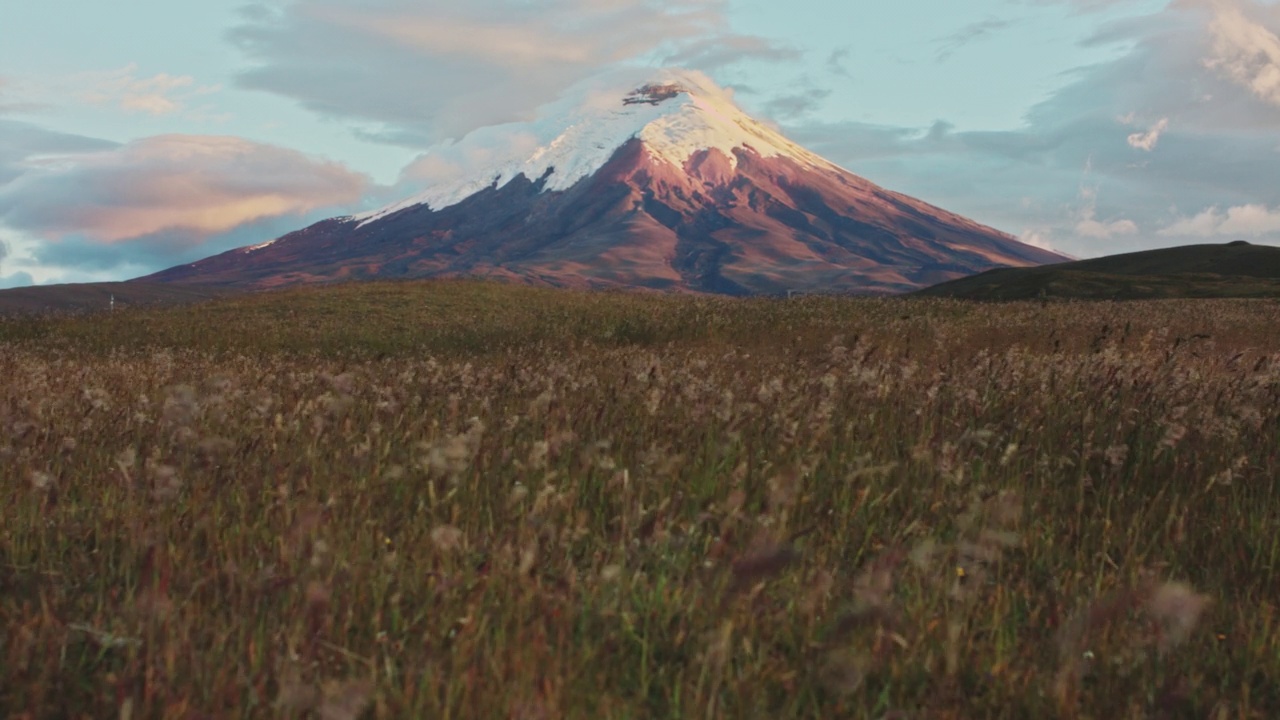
(466, 500)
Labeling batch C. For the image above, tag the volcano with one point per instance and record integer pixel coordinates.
(656, 182)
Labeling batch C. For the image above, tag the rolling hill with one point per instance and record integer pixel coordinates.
(1236, 269)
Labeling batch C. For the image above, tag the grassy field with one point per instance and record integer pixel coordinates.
(462, 500)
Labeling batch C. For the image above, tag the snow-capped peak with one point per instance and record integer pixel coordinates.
(674, 113)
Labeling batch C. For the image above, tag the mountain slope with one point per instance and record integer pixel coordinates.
(665, 185)
(1235, 269)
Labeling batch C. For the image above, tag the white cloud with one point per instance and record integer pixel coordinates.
(1245, 50)
(1088, 224)
(1147, 140)
(196, 184)
(1091, 228)
(1252, 220)
(1037, 237)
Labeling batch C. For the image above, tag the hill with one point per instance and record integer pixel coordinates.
(1237, 269)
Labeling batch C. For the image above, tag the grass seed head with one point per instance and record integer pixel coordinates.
(1177, 608)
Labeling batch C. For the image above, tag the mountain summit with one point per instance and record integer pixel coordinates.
(656, 181)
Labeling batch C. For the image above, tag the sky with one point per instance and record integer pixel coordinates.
(142, 134)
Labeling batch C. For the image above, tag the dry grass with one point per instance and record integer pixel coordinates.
(459, 500)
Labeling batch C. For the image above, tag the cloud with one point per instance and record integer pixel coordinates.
(1037, 237)
(18, 279)
(160, 94)
(796, 104)
(1087, 6)
(1246, 50)
(197, 184)
(25, 146)
(950, 44)
(416, 72)
(1147, 140)
(9, 106)
(836, 62)
(1253, 220)
(1088, 224)
(1091, 228)
(721, 51)
(1225, 156)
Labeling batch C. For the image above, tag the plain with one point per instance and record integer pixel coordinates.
(468, 500)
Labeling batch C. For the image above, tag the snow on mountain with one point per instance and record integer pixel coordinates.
(673, 112)
(259, 246)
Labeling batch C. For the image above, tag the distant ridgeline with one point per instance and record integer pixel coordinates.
(1234, 269)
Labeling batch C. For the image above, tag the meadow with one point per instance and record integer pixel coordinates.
(467, 500)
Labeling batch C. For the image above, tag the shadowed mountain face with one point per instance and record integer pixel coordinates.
(757, 226)
(1236, 269)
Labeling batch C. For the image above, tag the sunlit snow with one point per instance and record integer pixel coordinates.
(259, 246)
(576, 135)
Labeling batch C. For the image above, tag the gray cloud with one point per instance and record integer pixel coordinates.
(836, 60)
(797, 104)
(721, 51)
(18, 279)
(949, 45)
(24, 146)
(1205, 161)
(415, 72)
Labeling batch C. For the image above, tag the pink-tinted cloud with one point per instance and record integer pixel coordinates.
(1147, 140)
(160, 94)
(193, 185)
